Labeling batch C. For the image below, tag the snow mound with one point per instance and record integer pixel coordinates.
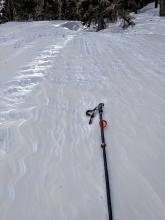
(150, 9)
(72, 25)
(147, 21)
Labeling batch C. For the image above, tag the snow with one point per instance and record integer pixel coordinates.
(50, 158)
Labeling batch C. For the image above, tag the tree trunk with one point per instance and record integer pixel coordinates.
(60, 10)
(101, 24)
(11, 12)
(156, 3)
(39, 9)
(162, 7)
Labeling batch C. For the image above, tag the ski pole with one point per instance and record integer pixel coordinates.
(103, 124)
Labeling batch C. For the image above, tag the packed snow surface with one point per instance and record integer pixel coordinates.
(51, 165)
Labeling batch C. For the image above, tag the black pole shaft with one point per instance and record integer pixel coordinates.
(107, 185)
(103, 145)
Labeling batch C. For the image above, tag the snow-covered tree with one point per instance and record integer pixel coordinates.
(2, 9)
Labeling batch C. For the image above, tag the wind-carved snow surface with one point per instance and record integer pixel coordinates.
(50, 158)
(30, 75)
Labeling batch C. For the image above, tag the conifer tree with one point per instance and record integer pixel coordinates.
(2, 10)
(50, 9)
(98, 12)
(102, 11)
(69, 10)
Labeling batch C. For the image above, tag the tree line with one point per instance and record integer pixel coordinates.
(88, 11)
(28, 10)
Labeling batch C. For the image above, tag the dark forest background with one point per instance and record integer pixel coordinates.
(98, 11)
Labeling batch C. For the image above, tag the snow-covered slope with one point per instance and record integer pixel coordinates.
(51, 164)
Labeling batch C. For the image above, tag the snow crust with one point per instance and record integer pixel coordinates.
(51, 164)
